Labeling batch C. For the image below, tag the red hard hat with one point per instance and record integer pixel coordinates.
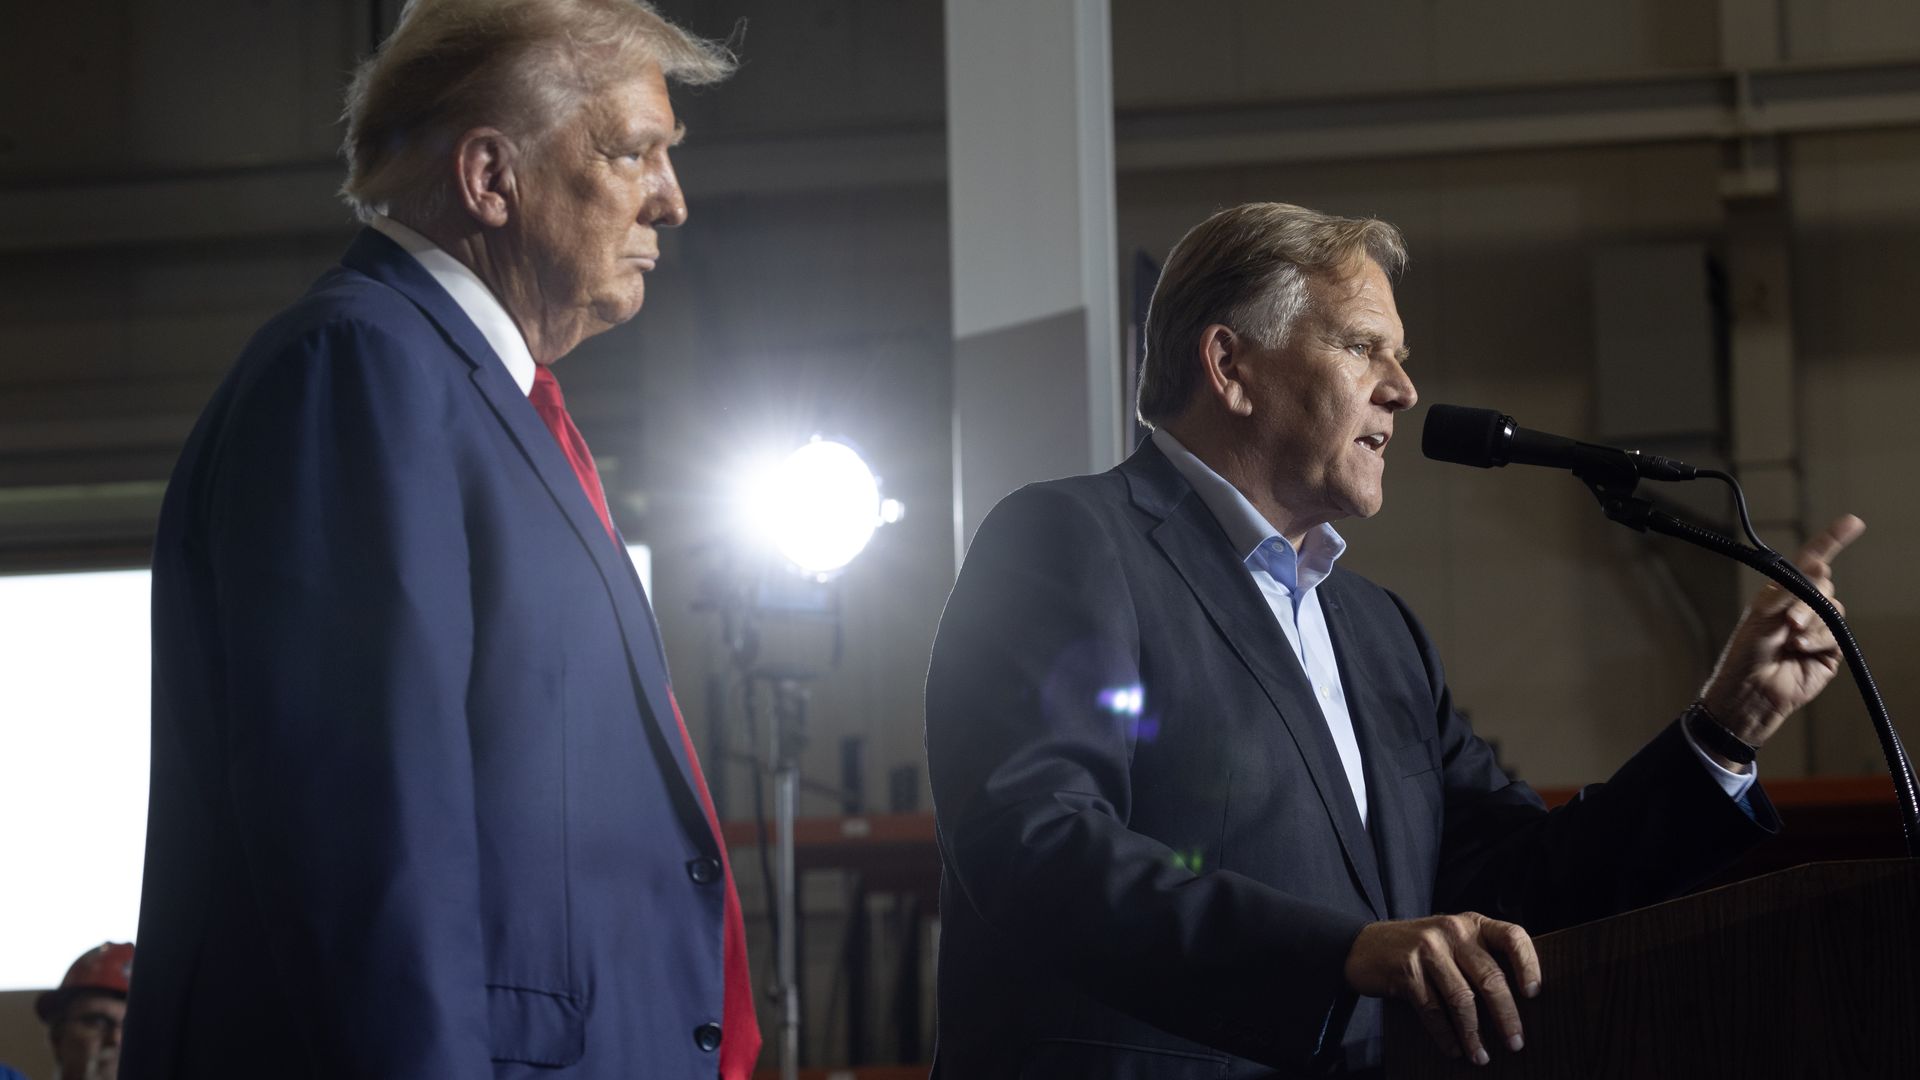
(104, 969)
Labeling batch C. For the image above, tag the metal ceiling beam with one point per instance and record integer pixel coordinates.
(1717, 105)
(1676, 108)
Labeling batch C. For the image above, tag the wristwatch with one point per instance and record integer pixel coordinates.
(1712, 736)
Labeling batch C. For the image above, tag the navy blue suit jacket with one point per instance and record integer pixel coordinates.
(1173, 894)
(420, 807)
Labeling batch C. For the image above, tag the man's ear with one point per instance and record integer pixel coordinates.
(484, 160)
(1224, 356)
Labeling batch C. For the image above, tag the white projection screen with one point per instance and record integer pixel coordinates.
(73, 767)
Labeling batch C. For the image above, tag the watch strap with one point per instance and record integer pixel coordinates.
(1709, 733)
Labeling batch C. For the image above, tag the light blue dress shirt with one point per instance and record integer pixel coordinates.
(1289, 581)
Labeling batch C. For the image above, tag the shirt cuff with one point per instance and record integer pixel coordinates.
(1736, 785)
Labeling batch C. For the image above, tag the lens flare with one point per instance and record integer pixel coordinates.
(1124, 700)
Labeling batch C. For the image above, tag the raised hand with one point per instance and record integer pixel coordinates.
(1780, 655)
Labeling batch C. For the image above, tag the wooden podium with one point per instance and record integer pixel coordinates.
(1808, 972)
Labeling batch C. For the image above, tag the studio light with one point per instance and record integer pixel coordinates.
(819, 506)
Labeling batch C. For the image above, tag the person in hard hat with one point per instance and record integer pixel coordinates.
(84, 1016)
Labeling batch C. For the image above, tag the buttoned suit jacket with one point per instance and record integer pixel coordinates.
(420, 806)
(1168, 885)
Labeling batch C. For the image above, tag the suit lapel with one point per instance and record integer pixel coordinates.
(1192, 540)
(630, 605)
(385, 261)
(1385, 798)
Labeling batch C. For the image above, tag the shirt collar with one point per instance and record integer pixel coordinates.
(475, 300)
(1258, 544)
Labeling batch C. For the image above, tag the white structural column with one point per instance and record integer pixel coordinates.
(1030, 172)
(1762, 408)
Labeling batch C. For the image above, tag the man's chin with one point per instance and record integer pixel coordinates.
(1362, 506)
(613, 311)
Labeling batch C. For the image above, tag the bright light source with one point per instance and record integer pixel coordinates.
(74, 685)
(819, 506)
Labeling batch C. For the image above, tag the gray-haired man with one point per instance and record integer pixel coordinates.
(1200, 791)
(423, 804)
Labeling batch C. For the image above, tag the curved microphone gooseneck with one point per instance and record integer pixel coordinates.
(1485, 438)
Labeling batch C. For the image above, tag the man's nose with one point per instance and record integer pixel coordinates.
(1396, 391)
(668, 206)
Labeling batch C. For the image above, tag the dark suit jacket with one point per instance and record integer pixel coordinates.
(420, 808)
(1174, 893)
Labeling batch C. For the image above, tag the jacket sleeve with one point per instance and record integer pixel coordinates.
(1030, 774)
(334, 526)
(1659, 826)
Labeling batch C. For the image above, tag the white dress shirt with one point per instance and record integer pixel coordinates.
(473, 297)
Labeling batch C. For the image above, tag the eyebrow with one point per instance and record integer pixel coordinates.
(645, 136)
(1401, 354)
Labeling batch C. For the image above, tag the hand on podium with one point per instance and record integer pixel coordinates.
(1447, 966)
(1781, 655)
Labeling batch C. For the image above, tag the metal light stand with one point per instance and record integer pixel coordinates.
(750, 597)
(750, 600)
(788, 736)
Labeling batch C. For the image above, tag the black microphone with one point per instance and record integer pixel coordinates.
(1486, 438)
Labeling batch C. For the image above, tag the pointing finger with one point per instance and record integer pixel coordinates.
(1830, 542)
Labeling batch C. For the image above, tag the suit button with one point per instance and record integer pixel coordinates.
(704, 871)
(707, 1037)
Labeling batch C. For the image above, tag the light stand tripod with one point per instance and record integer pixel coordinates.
(772, 623)
(788, 736)
(818, 508)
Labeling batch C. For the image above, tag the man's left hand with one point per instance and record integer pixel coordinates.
(1781, 655)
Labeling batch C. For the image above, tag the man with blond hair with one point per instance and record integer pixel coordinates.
(1201, 793)
(423, 805)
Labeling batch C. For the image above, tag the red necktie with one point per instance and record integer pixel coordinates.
(552, 407)
(739, 1028)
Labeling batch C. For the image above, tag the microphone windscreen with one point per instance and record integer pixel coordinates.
(1465, 436)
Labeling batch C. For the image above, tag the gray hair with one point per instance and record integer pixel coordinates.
(523, 66)
(1246, 268)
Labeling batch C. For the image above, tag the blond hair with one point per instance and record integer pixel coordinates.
(1246, 268)
(522, 66)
